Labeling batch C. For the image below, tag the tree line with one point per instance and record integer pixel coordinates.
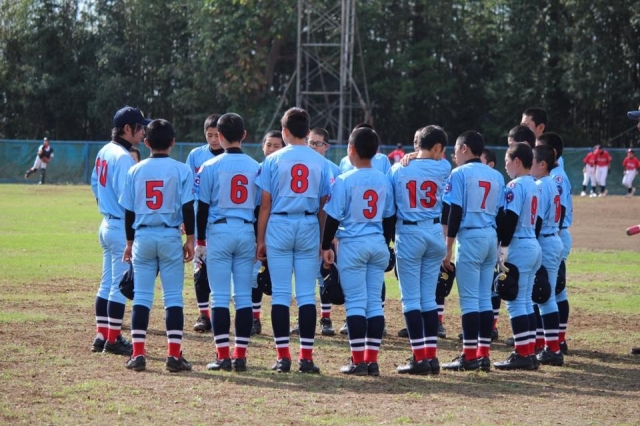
(67, 65)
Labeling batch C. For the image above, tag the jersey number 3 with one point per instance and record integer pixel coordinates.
(371, 197)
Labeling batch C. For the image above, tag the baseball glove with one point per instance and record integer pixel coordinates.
(392, 260)
(331, 287)
(541, 286)
(561, 282)
(445, 281)
(506, 283)
(126, 283)
(264, 279)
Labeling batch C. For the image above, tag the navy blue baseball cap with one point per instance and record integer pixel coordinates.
(634, 114)
(129, 115)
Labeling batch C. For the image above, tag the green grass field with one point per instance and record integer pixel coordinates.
(49, 272)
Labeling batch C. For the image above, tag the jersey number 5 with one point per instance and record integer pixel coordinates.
(154, 194)
(430, 190)
(371, 197)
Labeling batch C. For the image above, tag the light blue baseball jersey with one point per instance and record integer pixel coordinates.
(479, 190)
(198, 156)
(228, 185)
(418, 188)
(108, 178)
(360, 199)
(564, 188)
(334, 171)
(548, 205)
(561, 162)
(521, 197)
(156, 189)
(296, 177)
(378, 162)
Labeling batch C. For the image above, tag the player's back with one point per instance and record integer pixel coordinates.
(296, 177)
(418, 188)
(379, 162)
(108, 178)
(548, 205)
(198, 156)
(157, 188)
(564, 189)
(228, 185)
(521, 197)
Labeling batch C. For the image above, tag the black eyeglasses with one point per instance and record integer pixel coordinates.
(317, 143)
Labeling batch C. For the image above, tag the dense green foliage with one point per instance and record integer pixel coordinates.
(67, 65)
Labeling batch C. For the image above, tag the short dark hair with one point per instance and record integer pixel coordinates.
(160, 134)
(273, 134)
(430, 136)
(522, 151)
(211, 121)
(296, 120)
(365, 141)
(473, 140)
(322, 132)
(553, 140)
(136, 151)
(231, 126)
(545, 153)
(363, 126)
(522, 133)
(538, 116)
(490, 155)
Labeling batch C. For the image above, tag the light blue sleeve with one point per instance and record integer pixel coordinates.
(335, 205)
(205, 183)
(126, 197)
(390, 204)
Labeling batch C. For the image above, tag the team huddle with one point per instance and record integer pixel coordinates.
(297, 213)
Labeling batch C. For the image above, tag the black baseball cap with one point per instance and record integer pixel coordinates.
(129, 115)
(634, 114)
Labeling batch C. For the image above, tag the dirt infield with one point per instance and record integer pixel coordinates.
(600, 223)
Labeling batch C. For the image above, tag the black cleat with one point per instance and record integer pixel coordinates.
(510, 341)
(120, 347)
(485, 364)
(175, 365)
(344, 329)
(564, 348)
(239, 364)
(256, 328)
(548, 357)
(460, 363)
(326, 327)
(415, 367)
(515, 361)
(435, 366)
(307, 366)
(202, 325)
(442, 332)
(220, 364)
(138, 363)
(403, 332)
(360, 369)
(635, 351)
(283, 365)
(495, 335)
(373, 369)
(97, 345)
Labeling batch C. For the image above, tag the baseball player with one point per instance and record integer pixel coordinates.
(44, 157)
(294, 183)
(319, 141)
(549, 211)
(631, 164)
(108, 182)
(196, 158)
(519, 246)
(635, 116)
(158, 198)
(419, 244)
(537, 120)
(359, 201)
(589, 173)
(603, 163)
(566, 219)
(271, 143)
(472, 198)
(519, 134)
(227, 199)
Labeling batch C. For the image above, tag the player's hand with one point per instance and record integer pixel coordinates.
(446, 262)
(261, 251)
(328, 257)
(408, 157)
(503, 253)
(201, 252)
(182, 232)
(188, 251)
(126, 256)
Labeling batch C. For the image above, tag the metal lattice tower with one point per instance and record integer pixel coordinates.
(324, 68)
